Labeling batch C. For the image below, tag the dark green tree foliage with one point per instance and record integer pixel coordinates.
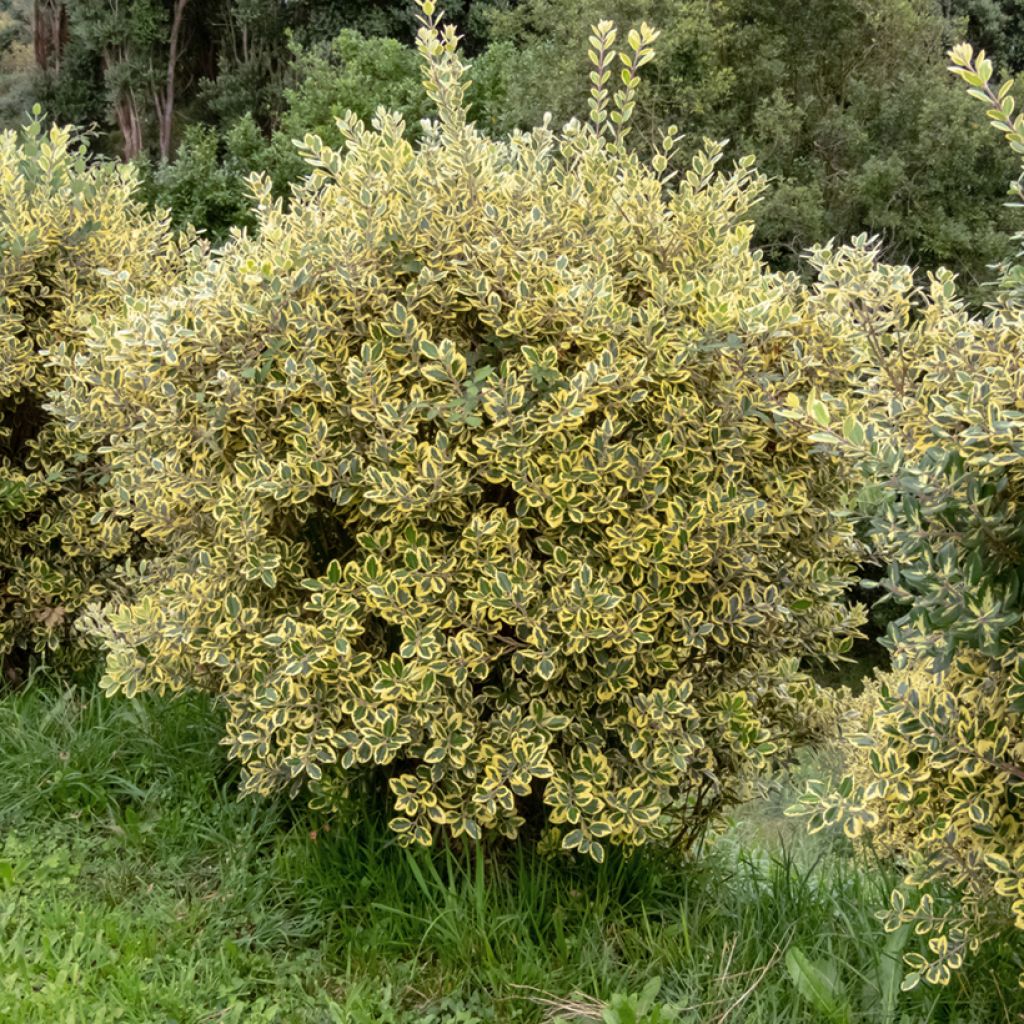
(318, 20)
(18, 85)
(348, 73)
(130, 56)
(995, 25)
(537, 63)
(250, 63)
(206, 184)
(845, 102)
(849, 107)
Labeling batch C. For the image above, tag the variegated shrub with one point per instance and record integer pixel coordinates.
(468, 464)
(73, 242)
(934, 416)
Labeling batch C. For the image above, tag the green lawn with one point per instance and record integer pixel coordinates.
(135, 887)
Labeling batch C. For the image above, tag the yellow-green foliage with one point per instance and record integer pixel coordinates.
(934, 415)
(468, 465)
(936, 767)
(72, 243)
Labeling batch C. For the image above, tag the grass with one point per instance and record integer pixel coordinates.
(134, 886)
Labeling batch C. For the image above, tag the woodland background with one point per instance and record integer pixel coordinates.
(846, 103)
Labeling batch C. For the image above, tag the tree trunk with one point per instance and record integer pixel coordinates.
(127, 112)
(49, 33)
(164, 98)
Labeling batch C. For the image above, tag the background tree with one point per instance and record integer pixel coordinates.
(49, 32)
(845, 102)
(995, 25)
(206, 183)
(18, 78)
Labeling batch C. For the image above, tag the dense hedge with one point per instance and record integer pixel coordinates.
(470, 465)
(73, 243)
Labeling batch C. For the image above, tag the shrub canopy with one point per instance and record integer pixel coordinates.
(468, 465)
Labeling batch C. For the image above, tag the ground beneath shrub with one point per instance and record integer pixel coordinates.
(134, 886)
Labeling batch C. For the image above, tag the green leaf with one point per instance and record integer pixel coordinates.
(890, 972)
(573, 840)
(819, 411)
(853, 431)
(819, 986)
